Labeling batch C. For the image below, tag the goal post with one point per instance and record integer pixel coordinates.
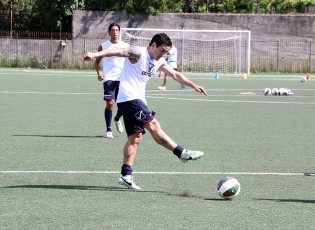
(201, 51)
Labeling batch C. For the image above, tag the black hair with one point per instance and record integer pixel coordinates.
(112, 25)
(161, 39)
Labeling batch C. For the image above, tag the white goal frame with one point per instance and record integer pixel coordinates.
(230, 46)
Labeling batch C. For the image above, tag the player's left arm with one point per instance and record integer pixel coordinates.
(133, 53)
(179, 77)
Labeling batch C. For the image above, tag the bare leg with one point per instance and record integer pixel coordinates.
(130, 148)
(110, 104)
(159, 135)
(165, 80)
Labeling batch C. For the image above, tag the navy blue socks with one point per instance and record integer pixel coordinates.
(108, 119)
(178, 150)
(126, 170)
(118, 115)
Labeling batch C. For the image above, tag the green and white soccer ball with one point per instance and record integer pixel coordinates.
(303, 79)
(267, 91)
(229, 187)
(283, 91)
(275, 91)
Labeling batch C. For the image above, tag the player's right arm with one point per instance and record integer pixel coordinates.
(98, 67)
(133, 53)
(179, 77)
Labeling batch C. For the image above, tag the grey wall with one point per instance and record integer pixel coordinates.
(93, 24)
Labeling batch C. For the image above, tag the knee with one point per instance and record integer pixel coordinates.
(138, 138)
(135, 138)
(110, 104)
(153, 126)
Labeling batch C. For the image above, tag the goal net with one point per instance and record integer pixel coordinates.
(201, 51)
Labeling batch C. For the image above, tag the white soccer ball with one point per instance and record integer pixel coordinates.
(229, 187)
(275, 91)
(267, 91)
(283, 91)
(303, 79)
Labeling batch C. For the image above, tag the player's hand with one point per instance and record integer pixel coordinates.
(200, 89)
(100, 77)
(88, 56)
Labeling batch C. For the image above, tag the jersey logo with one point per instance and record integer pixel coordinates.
(140, 115)
(150, 71)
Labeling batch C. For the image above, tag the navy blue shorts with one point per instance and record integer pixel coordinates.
(111, 89)
(135, 114)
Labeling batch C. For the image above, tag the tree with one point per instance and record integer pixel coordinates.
(56, 15)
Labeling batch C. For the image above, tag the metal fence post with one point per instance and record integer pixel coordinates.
(310, 59)
(17, 50)
(278, 54)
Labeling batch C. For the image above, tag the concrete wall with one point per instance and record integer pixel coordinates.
(93, 24)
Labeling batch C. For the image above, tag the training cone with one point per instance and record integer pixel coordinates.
(216, 75)
(308, 77)
(244, 76)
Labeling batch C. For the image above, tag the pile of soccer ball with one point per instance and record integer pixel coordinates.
(229, 187)
(278, 92)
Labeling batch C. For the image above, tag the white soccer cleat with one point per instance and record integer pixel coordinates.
(128, 182)
(188, 155)
(119, 126)
(161, 87)
(109, 135)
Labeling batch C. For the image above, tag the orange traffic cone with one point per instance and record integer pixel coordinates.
(308, 77)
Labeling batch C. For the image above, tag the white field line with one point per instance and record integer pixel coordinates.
(223, 77)
(175, 98)
(48, 93)
(234, 101)
(161, 173)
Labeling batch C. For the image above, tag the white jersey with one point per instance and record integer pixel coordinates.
(172, 58)
(134, 77)
(112, 66)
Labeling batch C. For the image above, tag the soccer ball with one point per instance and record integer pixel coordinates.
(267, 91)
(274, 91)
(229, 187)
(283, 91)
(303, 79)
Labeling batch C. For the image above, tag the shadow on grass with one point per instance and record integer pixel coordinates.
(62, 136)
(71, 187)
(217, 199)
(184, 194)
(309, 174)
(290, 200)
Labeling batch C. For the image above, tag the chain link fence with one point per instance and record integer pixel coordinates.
(268, 55)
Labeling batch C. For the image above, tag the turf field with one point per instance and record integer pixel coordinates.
(58, 172)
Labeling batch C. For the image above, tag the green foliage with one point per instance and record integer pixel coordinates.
(56, 15)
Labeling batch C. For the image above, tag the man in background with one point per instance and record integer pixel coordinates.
(172, 62)
(112, 67)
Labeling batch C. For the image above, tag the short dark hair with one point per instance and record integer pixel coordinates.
(161, 39)
(113, 24)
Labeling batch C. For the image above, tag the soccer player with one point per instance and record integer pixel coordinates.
(141, 64)
(112, 67)
(172, 61)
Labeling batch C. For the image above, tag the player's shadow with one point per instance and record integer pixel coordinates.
(184, 194)
(61, 136)
(290, 200)
(69, 187)
(217, 199)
